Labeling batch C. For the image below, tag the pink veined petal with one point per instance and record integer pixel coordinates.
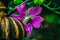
(36, 21)
(34, 10)
(28, 27)
(21, 9)
(41, 19)
(17, 17)
(36, 25)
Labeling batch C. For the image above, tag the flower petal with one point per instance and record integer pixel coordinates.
(28, 28)
(36, 25)
(36, 21)
(17, 17)
(34, 11)
(21, 9)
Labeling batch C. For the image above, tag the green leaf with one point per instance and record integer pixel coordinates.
(39, 2)
(17, 2)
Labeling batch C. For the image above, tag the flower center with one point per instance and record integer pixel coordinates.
(27, 20)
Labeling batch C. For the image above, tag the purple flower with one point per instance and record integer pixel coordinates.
(29, 17)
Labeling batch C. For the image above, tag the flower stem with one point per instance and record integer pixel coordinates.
(52, 9)
(49, 3)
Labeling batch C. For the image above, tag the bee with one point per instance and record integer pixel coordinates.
(10, 27)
